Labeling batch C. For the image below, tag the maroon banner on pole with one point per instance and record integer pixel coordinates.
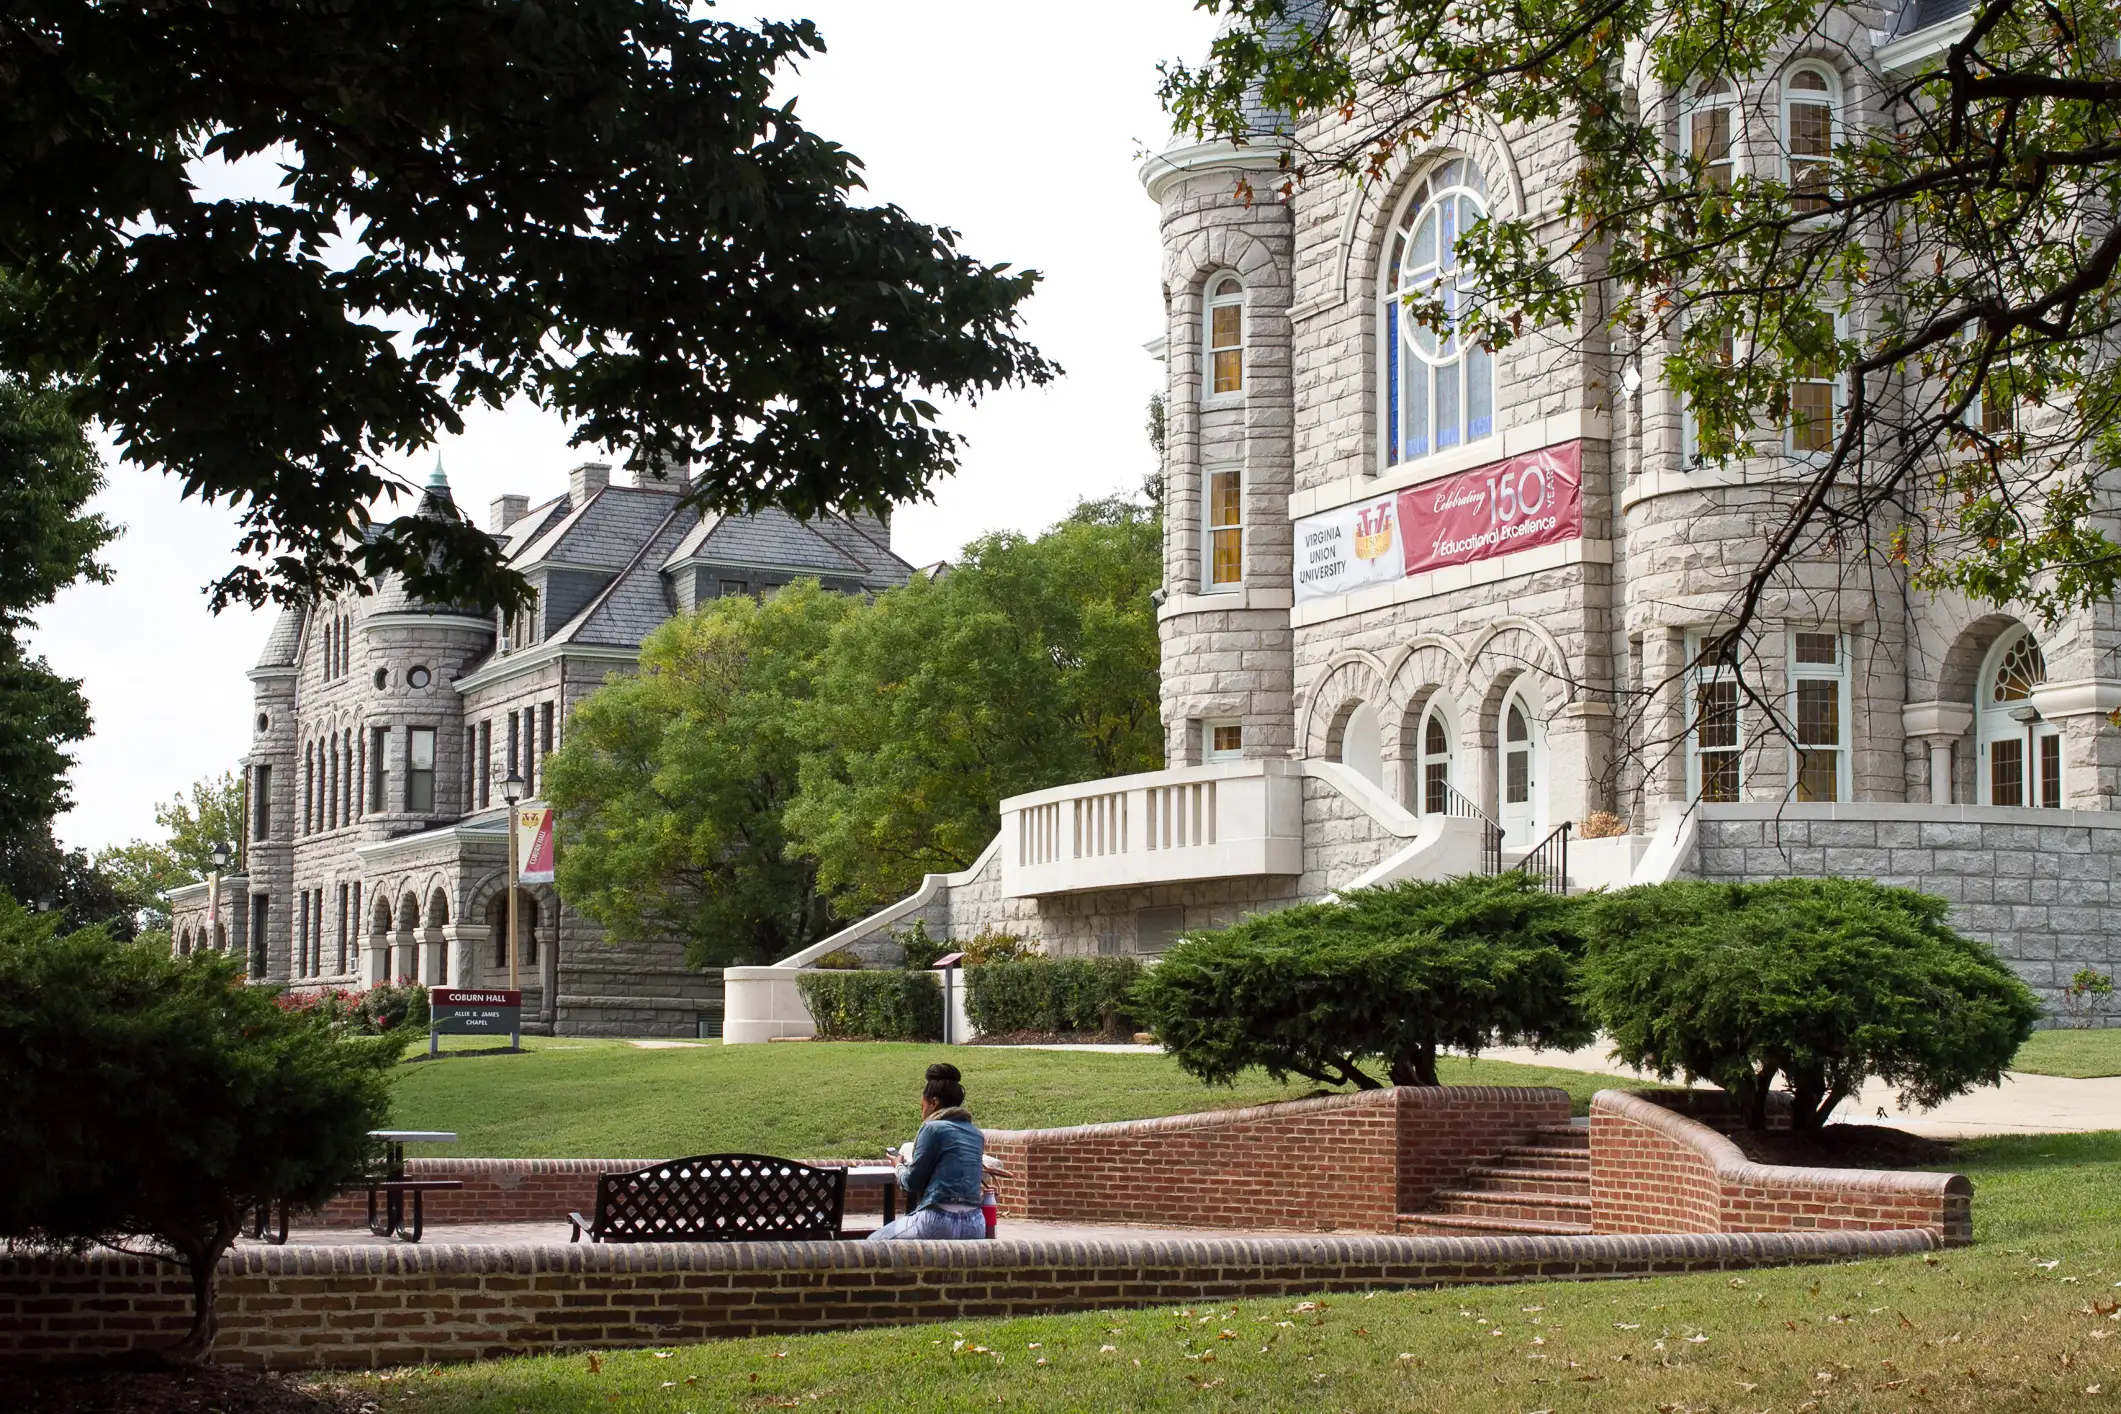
(1535, 499)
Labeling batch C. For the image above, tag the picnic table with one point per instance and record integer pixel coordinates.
(393, 1187)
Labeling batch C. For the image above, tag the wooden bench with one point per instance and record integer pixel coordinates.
(717, 1198)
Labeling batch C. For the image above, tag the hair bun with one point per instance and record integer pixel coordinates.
(943, 1070)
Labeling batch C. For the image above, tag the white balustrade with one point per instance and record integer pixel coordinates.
(1221, 821)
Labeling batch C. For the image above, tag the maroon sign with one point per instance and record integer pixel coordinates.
(1534, 499)
(465, 996)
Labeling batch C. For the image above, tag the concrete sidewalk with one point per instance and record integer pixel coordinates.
(2023, 1104)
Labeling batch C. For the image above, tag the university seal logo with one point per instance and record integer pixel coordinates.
(1373, 532)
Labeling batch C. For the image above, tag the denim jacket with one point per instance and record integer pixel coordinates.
(946, 1162)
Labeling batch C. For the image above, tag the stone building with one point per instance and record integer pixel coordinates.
(384, 728)
(1417, 596)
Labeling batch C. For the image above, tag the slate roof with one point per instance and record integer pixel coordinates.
(637, 599)
(283, 646)
(1919, 15)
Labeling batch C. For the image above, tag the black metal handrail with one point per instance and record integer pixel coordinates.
(1456, 804)
(1548, 861)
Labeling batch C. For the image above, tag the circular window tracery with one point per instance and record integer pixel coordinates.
(2021, 670)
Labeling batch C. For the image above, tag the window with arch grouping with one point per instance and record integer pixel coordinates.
(1439, 387)
(1226, 336)
(1808, 101)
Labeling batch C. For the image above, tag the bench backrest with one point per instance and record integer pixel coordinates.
(721, 1198)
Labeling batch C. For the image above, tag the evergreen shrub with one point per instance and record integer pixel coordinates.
(1821, 983)
(1390, 975)
(884, 1004)
(1068, 994)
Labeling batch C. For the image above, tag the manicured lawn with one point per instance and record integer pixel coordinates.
(2081, 1055)
(2018, 1322)
(606, 1099)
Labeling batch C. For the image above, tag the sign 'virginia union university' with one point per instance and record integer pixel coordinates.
(1534, 499)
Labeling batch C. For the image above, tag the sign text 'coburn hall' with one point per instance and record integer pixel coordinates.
(1534, 499)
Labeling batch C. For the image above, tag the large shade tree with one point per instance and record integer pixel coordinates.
(1950, 254)
(598, 205)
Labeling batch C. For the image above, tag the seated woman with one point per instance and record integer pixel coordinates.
(941, 1178)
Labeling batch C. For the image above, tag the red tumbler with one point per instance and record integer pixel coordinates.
(989, 1209)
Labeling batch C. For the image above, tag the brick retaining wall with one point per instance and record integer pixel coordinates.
(356, 1306)
(1333, 1163)
(1656, 1171)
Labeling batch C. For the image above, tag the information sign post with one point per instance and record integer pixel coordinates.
(465, 1011)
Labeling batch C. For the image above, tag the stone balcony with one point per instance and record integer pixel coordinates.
(1228, 820)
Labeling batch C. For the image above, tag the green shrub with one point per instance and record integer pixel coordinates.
(154, 1101)
(391, 1007)
(882, 1005)
(1052, 995)
(1394, 974)
(1820, 982)
(920, 950)
(840, 960)
(992, 945)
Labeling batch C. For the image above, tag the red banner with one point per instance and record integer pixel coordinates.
(1535, 499)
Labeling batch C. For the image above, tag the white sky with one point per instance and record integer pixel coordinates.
(1019, 125)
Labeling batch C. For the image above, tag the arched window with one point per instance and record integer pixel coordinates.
(1808, 102)
(1439, 388)
(1433, 761)
(1521, 788)
(2021, 753)
(1226, 337)
(1705, 136)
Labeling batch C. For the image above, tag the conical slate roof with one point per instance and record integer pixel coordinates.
(284, 643)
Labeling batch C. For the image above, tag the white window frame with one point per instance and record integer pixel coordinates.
(1989, 728)
(1208, 528)
(1699, 676)
(1468, 180)
(1837, 674)
(1840, 401)
(1437, 708)
(1211, 301)
(1707, 97)
(1830, 99)
(1209, 751)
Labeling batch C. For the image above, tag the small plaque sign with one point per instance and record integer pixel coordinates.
(464, 1011)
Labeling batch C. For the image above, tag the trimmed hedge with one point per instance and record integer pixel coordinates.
(879, 1005)
(1052, 994)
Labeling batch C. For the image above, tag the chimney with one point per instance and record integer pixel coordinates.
(663, 474)
(585, 481)
(506, 511)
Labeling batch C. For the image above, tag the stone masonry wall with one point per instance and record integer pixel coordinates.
(2039, 886)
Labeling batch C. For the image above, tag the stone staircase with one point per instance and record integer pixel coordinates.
(1542, 1188)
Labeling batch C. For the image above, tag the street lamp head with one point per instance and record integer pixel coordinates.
(221, 854)
(512, 788)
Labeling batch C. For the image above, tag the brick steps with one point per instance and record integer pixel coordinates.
(1542, 1187)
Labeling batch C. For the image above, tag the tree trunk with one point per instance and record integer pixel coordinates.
(1416, 1066)
(202, 1258)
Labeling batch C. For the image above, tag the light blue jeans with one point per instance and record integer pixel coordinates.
(933, 1225)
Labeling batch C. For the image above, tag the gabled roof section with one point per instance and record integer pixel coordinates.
(1918, 15)
(636, 601)
(882, 568)
(530, 525)
(604, 531)
(283, 646)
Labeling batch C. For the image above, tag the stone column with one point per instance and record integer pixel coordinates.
(1937, 725)
(1578, 738)
(375, 960)
(460, 944)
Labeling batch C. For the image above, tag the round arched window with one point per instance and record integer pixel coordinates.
(418, 677)
(1439, 387)
(1435, 761)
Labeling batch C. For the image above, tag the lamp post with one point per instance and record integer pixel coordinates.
(511, 792)
(220, 856)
